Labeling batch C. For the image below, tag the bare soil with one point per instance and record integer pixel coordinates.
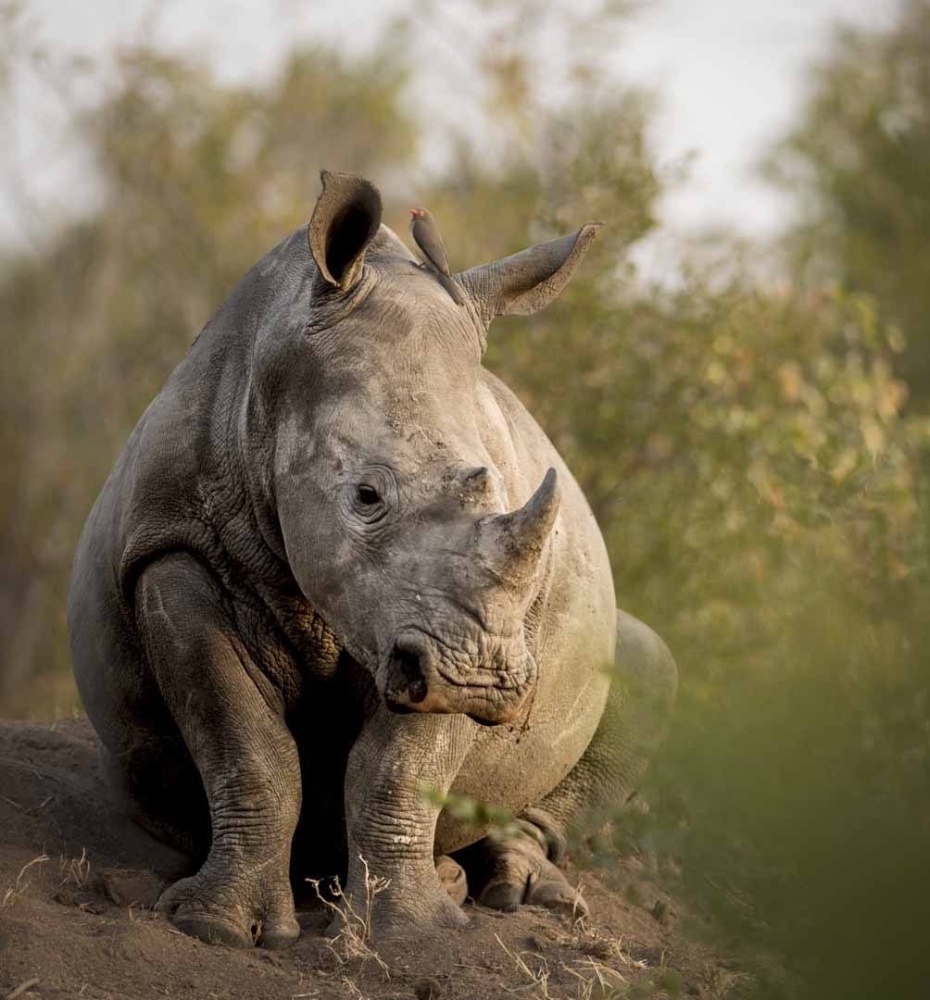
(78, 881)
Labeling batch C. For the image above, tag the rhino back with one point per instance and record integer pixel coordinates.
(179, 480)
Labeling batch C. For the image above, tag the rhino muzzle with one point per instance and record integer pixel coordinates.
(414, 680)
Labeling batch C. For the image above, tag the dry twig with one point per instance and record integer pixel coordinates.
(19, 886)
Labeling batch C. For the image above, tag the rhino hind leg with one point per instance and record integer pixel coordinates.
(518, 868)
(521, 867)
(161, 791)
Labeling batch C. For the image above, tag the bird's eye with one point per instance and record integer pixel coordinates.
(367, 496)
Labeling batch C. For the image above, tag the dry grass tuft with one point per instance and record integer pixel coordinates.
(353, 942)
(579, 907)
(597, 981)
(593, 980)
(537, 979)
(603, 947)
(74, 871)
(19, 886)
(720, 982)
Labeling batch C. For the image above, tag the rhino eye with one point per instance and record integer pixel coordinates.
(367, 496)
(370, 500)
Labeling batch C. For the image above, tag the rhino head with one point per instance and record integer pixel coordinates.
(412, 523)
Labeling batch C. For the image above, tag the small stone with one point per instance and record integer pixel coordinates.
(126, 887)
(85, 901)
(598, 948)
(66, 896)
(426, 988)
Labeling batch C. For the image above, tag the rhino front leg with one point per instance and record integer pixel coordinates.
(225, 710)
(522, 867)
(391, 824)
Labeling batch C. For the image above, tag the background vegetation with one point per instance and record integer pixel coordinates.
(755, 449)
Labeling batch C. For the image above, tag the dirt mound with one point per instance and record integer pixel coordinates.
(78, 881)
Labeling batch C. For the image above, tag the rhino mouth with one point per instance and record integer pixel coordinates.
(482, 677)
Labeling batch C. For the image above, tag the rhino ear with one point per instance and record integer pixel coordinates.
(345, 220)
(528, 281)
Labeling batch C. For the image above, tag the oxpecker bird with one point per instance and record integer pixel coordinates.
(425, 234)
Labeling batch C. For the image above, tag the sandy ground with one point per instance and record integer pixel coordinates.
(78, 881)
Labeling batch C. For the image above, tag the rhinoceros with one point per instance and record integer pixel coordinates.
(338, 564)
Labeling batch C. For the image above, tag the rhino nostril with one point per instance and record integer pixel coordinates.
(407, 673)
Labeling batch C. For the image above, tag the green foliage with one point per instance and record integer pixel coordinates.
(858, 162)
(468, 810)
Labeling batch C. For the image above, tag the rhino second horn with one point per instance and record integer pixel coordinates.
(476, 484)
(517, 539)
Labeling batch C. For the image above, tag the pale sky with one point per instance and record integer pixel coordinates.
(729, 74)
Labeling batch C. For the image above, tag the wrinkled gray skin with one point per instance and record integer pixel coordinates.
(338, 560)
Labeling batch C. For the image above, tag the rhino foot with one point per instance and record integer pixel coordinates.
(521, 874)
(412, 911)
(239, 912)
(452, 876)
(395, 918)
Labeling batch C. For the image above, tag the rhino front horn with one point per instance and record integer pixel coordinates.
(517, 539)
